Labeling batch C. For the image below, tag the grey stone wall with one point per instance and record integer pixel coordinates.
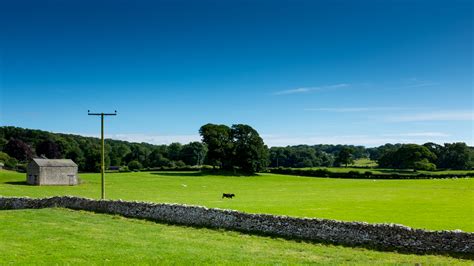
(32, 174)
(59, 176)
(379, 236)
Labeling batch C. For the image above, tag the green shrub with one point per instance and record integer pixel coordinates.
(180, 164)
(11, 163)
(4, 157)
(424, 165)
(124, 169)
(134, 165)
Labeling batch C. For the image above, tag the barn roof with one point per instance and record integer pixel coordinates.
(54, 162)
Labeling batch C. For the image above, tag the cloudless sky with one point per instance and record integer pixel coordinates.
(300, 72)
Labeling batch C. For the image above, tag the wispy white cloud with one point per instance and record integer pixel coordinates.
(450, 115)
(281, 140)
(366, 140)
(273, 140)
(420, 85)
(358, 109)
(409, 84)
(311, 89)
(418, 134)
(150, 138)
(156, 139)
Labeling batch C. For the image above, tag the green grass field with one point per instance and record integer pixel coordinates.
(60, 236)
(438, 204)
(364, 162)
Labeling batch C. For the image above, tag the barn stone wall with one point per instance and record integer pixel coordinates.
(32, 174)
(379, 236)
(64, 175)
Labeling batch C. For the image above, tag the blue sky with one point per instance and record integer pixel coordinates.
(300, 72)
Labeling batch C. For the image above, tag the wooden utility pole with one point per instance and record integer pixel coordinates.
(102, 153)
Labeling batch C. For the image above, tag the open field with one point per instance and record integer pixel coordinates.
(65, 236)
(438, 204)
(364, 162)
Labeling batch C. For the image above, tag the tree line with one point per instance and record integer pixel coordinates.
(236, 147)
(18, 145)
(429, 156)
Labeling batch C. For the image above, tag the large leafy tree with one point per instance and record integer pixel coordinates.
(137, 152)
(344, 157)
(193, 153)
(250, 153)
(117, 153)
(218, 139)
(455, 156)
(436, 149)
(158, 157)
(76, 155)
(2, 143)
(408, 156)
(49, 148)
(18, 150)
(174, 151)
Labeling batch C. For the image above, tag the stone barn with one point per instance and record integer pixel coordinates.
(59, 172)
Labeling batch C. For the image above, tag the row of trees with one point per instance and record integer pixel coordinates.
(18, 145)
(428, 156)
(239, 146)
(301, 156)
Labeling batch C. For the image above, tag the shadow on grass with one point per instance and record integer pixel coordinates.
(400, 171)
(17, 183)
(205, 172)
(178, 173)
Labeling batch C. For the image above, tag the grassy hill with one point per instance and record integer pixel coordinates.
(436, 204)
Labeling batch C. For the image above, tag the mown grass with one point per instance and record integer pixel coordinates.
(364, 162)
(60, 236)
(437, 204)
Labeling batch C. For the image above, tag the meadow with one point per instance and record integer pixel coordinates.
(436, 204)
(78, 237)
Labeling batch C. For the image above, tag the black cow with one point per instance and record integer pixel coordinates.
(228, 195)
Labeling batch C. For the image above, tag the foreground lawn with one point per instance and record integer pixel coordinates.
(438, 204)
(59, 236)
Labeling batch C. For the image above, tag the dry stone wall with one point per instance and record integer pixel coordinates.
(379, 236)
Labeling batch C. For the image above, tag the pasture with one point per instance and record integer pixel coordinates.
(437, 204)
(364, 162)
